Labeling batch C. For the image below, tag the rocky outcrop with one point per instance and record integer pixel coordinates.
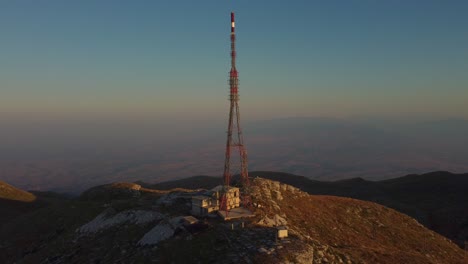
(276, 220)
(321, 229)
(327, 229)
(110, 218)
(270, 193)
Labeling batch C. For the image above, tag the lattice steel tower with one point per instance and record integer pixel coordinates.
(234, 134)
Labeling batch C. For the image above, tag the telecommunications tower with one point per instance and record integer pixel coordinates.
(235, 141)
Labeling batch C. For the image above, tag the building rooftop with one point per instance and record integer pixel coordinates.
(235, 213)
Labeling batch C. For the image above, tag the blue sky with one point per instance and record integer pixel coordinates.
(170, 59)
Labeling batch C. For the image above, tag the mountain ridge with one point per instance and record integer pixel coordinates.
(137, 224)
(9, 192)
(436, 199)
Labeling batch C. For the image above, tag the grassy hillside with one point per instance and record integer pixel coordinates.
(8, 192)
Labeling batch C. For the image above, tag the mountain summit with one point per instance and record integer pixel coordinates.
(152, 226)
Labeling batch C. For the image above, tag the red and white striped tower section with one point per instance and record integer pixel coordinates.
(235, 140)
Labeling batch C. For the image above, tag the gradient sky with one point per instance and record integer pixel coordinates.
(170, 58)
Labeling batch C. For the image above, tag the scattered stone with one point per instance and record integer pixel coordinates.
(277, 195)
(304, 256)
(292, 188)
(276, 207)
(275, 185)
(275, 221)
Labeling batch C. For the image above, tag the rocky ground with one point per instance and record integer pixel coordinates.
(125, 223)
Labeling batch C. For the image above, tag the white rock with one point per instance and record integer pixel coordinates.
(283, 187)
(275, 185)
(158, 233)
(266, 221)
(275, 221)
(106, 220)
(292, 188)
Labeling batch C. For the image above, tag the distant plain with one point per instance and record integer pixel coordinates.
(70, 156)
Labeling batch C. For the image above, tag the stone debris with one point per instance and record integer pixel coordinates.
(275, 207)
(108, 218)
(292, 189)
(277, 195)
(157, 234)
(276, 220)
(305, 256)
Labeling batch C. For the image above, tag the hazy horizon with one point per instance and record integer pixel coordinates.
(71, 156)
(92, 92)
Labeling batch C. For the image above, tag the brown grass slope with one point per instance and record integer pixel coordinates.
(8, 192)
(437, 199)
(341, 229)
(366, 232)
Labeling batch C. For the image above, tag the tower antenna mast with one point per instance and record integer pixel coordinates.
(235, 139)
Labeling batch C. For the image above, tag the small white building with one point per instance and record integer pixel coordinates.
(204, 204)
(282, 232)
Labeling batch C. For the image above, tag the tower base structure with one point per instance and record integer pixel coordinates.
(236, 213)
(223, 200)
(235, 142)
